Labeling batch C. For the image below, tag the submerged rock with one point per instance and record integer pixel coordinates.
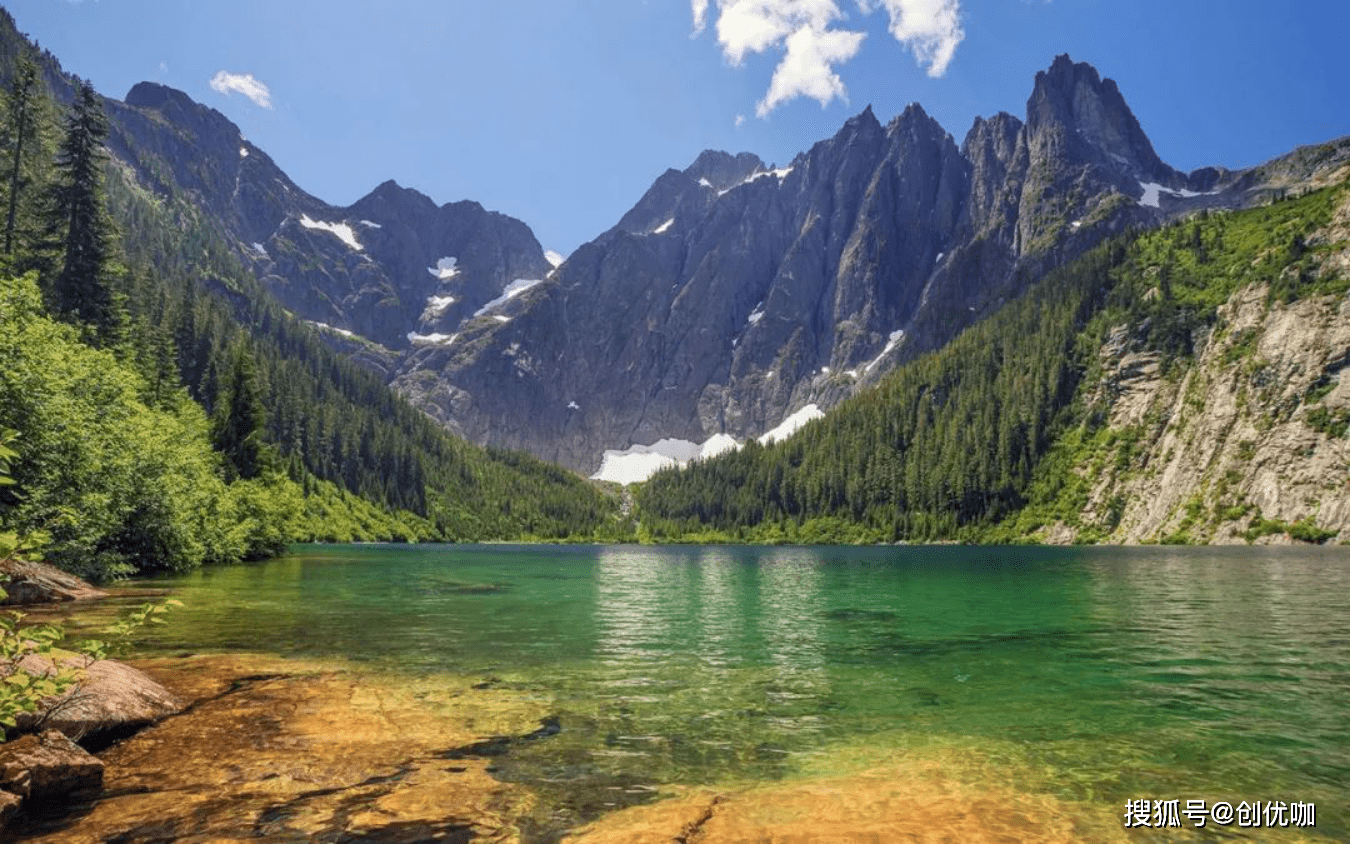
(917, 803)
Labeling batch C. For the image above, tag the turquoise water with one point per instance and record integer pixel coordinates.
(1098, 675)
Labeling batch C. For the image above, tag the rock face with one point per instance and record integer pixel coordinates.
(110, 697)
(1247, 442)
(39, 583)
(730, 296)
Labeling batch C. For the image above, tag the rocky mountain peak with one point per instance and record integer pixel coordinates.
(722, 169)
(1073, 114)
(181, 110)
(390, 200)
(863, 121)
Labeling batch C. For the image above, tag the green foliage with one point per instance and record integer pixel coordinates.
(237, 429)
(327, 420)
(23, 150)
(1305, 530)
(22, 691)
(120, 632)
(1334, 422)
(945, 444)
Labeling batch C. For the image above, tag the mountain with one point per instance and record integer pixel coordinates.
(734, 300)
(1179, 385)
(378, 269)
(735, 295)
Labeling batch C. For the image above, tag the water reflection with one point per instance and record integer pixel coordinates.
(1231, 641)
(720, 612)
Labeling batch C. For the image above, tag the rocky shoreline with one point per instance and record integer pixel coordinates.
(274, 749)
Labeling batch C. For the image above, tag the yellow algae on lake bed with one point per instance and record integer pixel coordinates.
(290, 750)
(910, 803)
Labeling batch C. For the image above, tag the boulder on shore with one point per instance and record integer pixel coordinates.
(109, 696)
(27, 582)
(42, 768)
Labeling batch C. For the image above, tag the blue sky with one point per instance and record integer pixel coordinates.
(562, 113)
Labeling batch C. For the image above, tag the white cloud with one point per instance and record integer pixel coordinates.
(700, 15)
(931, 28)
(242, 83)
(740, 120)
(812, 49)
(808, 68)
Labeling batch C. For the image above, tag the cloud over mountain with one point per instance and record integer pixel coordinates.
(242, 83)
(813, 47)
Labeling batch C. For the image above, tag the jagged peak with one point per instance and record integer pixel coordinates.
(864, 118)
(167, 101)
(722, 169)
(391, 192)
(914, 118)
(1073, 101)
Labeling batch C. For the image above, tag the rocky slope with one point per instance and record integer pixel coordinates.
(1246, 441)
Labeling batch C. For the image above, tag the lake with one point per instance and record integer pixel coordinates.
(1098, 675)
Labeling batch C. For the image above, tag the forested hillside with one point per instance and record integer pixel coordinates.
(168, 412)
(1020, 423)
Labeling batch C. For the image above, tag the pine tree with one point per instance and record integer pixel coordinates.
(27, 117)
(240, 418)
(83, 290)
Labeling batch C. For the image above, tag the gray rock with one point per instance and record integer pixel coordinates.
(110, 696)
(731, 294)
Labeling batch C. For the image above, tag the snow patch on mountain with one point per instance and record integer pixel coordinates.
(639, 462)
(433, 339)
(791, 424)
(554, 258)
(445, 269)
(342, 231)
(512, 290)
(436, 306)
(1153, 190)
(326, 327)
(892, 341)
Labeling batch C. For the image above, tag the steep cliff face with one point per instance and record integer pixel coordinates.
(1245, 442)
(729, 296)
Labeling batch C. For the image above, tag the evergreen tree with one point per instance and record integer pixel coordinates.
(26, 122)
(240, 418)
(82, 291)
